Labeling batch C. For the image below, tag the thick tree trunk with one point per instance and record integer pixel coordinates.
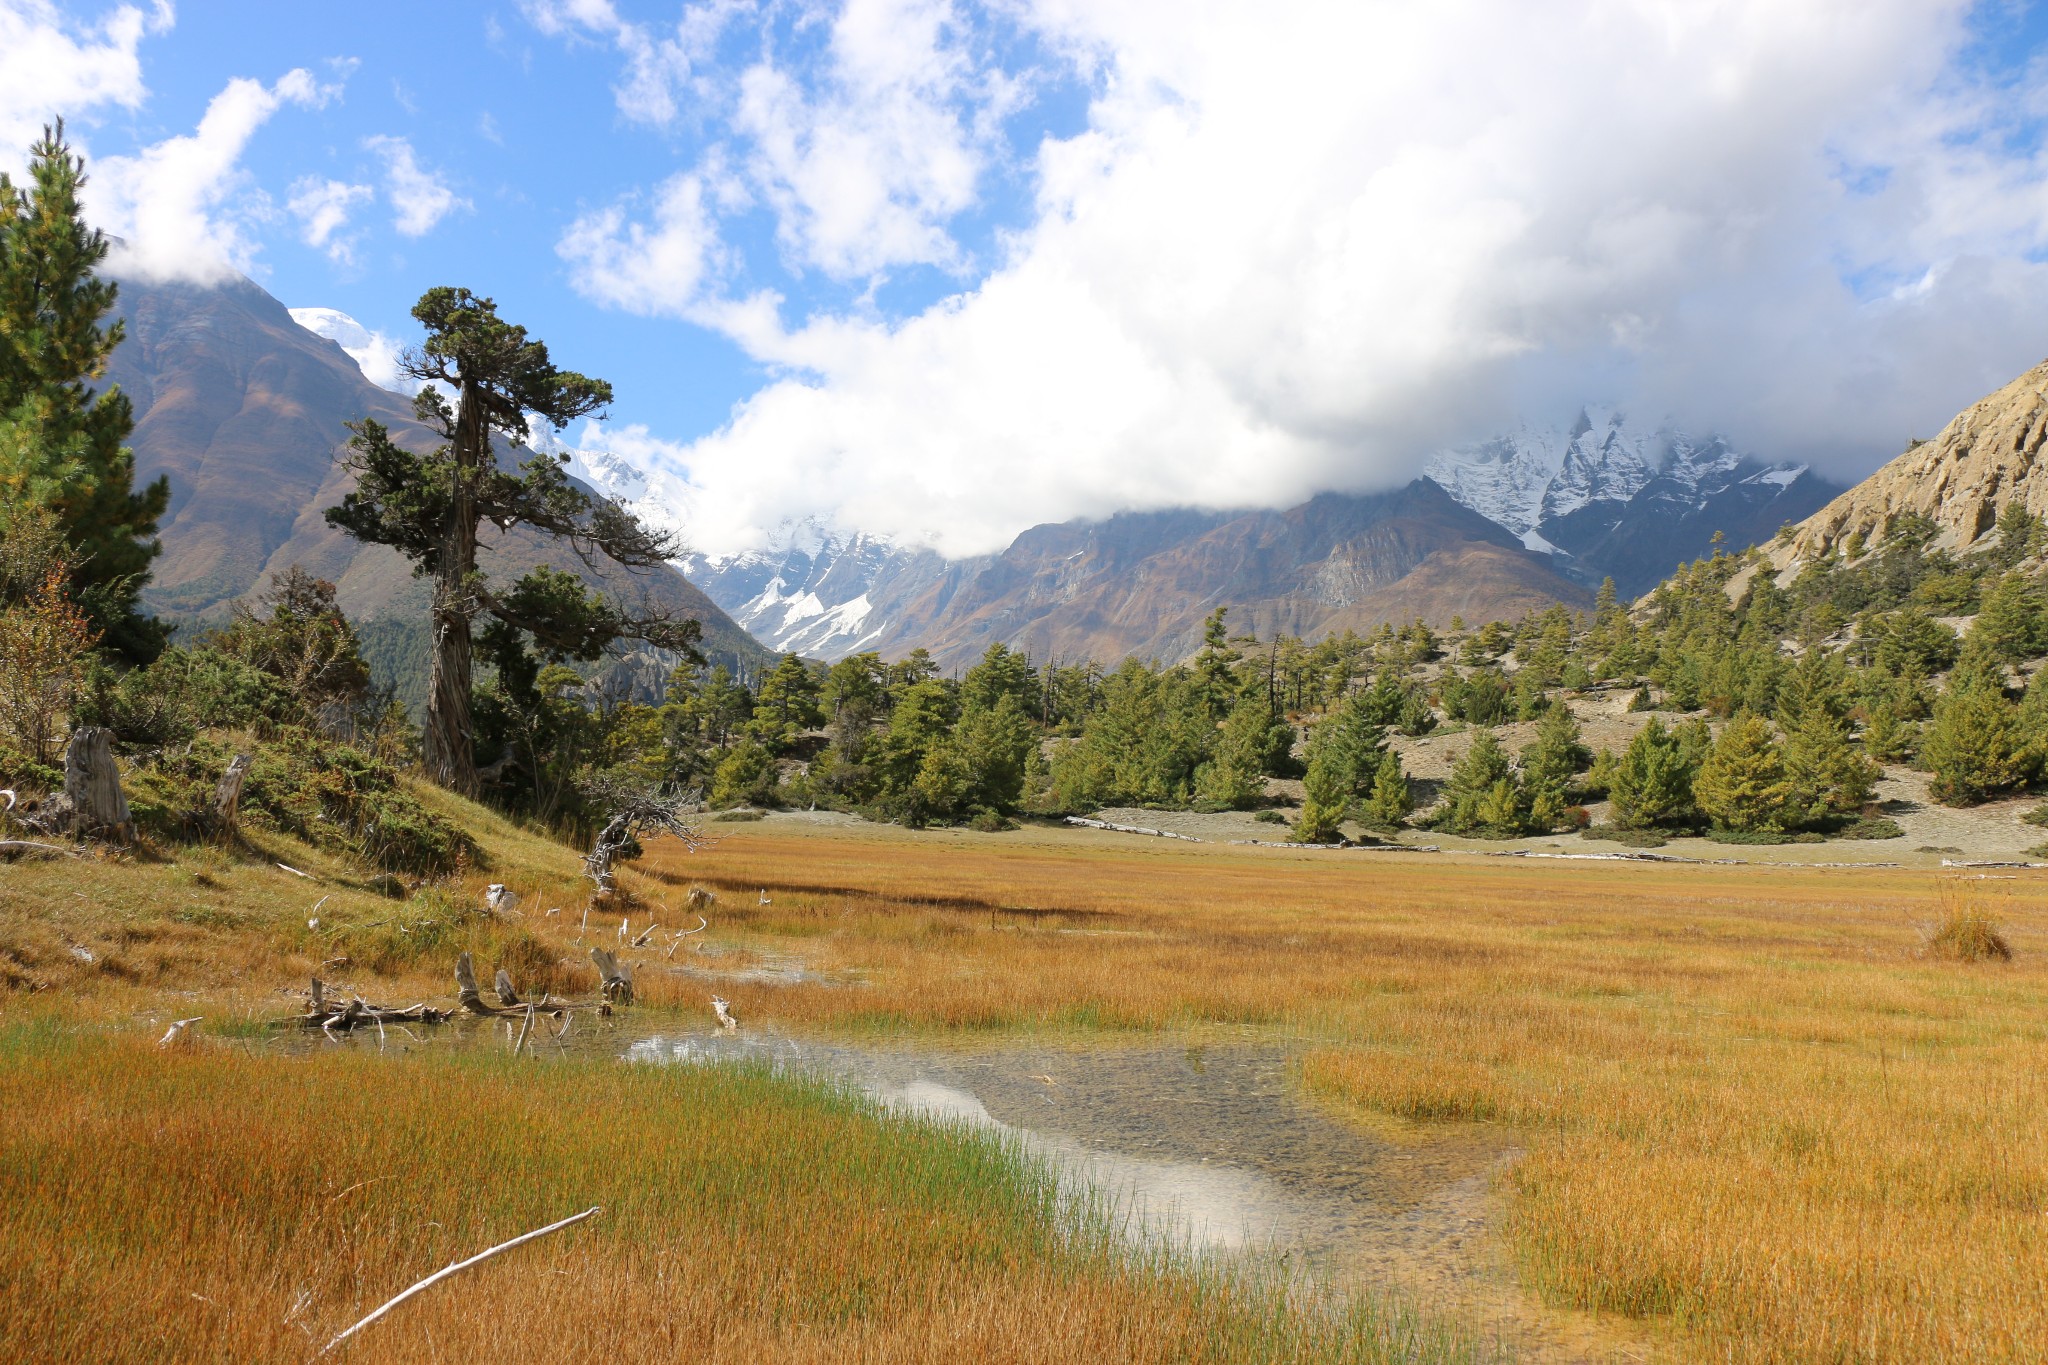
(93, 786)
(447, 744)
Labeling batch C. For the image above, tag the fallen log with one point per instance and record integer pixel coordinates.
(17, 848)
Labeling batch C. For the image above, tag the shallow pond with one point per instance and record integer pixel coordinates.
(1209, 1145)
(1212, 1146)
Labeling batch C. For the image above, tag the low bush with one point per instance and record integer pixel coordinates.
(1969, 936)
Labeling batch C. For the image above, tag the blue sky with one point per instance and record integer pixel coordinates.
(945, 269)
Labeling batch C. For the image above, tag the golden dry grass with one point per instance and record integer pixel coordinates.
(1753, 1104)
(222, 1204)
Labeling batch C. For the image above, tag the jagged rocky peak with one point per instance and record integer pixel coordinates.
(816, 589)
(1536, 473)
(1981, 462)
(1606, 497)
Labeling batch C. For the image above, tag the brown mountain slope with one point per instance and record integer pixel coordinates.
(244, 410)
(1142, 583)
(1982, 461)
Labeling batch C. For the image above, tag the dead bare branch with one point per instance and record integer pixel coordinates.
(456, 1269)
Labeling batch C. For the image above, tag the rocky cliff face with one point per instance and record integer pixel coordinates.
(1983, 460)
(244, 409)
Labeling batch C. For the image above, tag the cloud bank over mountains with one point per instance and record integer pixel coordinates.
(1297, 245)
(991, 264)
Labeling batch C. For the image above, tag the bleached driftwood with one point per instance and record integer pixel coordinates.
(330, 1015)
(176, 1032)
(702, 925)
(457, 1269)
(508, 994)
(1131, 829)
(92, 787)
(617, 977)
(466, 988)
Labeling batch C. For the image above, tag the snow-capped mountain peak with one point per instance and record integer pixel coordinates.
(1607, 495)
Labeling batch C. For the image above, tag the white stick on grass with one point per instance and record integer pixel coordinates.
(457, 1268)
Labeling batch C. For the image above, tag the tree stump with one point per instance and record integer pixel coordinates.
(93, 787)
(227, 796)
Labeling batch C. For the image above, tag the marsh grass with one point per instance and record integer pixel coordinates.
(1752, 1106)
(228, 1204)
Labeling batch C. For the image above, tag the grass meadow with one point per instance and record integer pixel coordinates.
(1756, 1107)
(223, 1204)
(1761, 1114)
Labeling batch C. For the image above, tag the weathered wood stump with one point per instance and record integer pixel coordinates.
(227, 796)
(92, 786)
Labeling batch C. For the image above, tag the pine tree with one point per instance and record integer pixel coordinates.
(1482, 796)
(2011, 623)
(1829, 777)
(2019, 532)
(1391, 801)
(1653, 781)
(429, 507)
(786, 704)
(60, 436)
(1343, 759)
(1551, 763)
(1742, 783)
(1974, 745)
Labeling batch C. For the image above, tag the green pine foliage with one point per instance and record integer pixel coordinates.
(1392, 800)
(1652, 783)
(61, 433)
(1742, 784)
(1483, 796)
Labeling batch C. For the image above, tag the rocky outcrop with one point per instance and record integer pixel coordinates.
(1963, 479)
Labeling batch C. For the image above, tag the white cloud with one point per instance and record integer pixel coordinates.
(661, 268)
(323, 208)
(658, 67)
(53, 66)
(420, 197)
(180, 204)
(376, 354)
(1298, 245)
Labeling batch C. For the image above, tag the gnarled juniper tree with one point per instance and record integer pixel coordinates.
(430, 505)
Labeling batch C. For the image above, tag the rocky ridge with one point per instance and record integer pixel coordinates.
(1984, 460)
